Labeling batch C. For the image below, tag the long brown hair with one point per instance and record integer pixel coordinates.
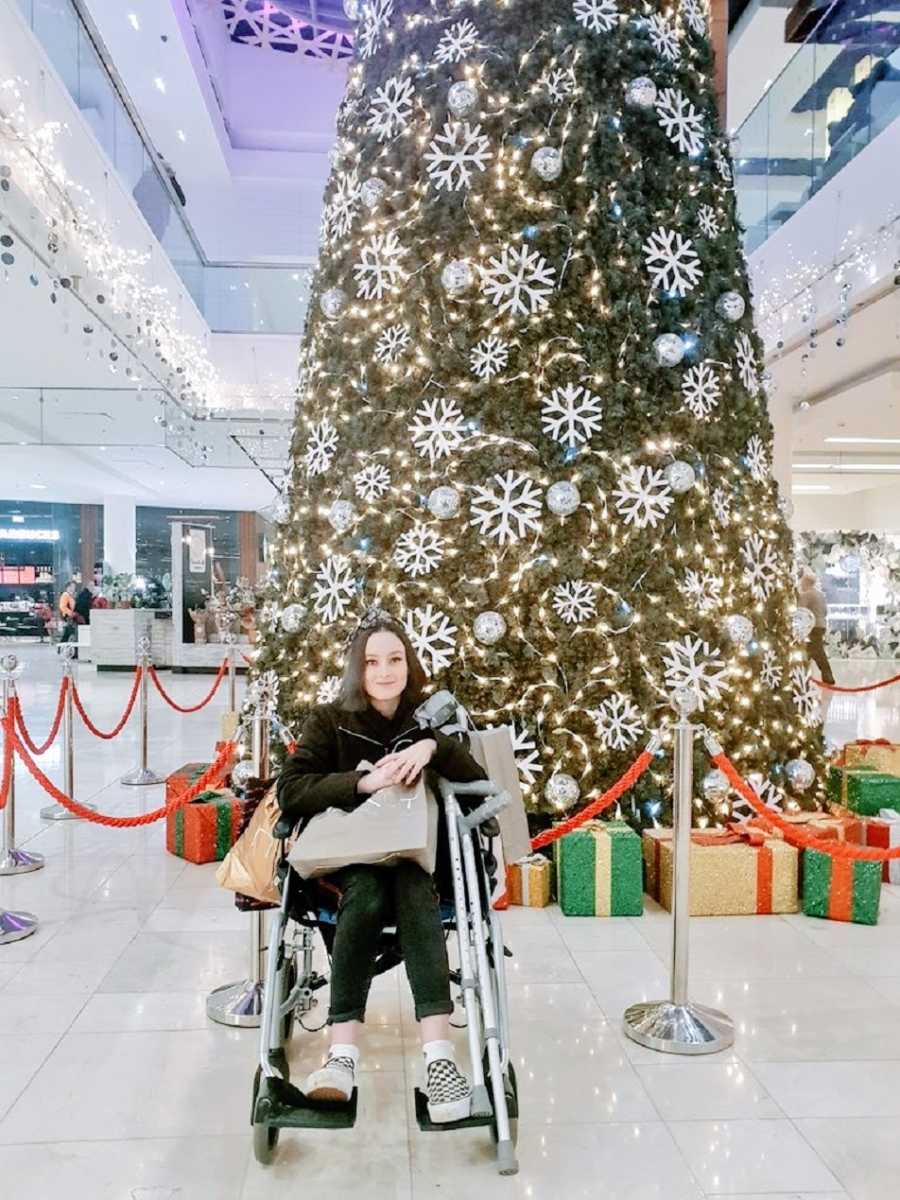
(352, 695)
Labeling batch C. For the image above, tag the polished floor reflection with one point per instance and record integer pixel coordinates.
(113, 1085)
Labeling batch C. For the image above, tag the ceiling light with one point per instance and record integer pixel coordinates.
(804, 466)
(160, 84)
(134, 22)
(811, 487)
(865, 441)
(182, 136)
(17, 520)
(41, 487)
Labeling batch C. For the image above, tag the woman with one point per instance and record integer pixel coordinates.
(372, 720)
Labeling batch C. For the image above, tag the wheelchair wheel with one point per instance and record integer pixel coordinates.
(265, 1139)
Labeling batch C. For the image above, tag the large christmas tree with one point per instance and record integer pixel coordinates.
(530, 421)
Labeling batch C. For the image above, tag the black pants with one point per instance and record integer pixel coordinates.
(816, 649)
(373, 897)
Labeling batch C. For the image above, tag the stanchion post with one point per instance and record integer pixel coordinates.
(58, 812)
(676, 1026)
(241, 1003)
(13, 861)
(142, 775)
(230, 716)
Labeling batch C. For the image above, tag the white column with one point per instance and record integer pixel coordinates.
(120, 533)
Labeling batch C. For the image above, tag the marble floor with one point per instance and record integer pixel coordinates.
(113, 1085)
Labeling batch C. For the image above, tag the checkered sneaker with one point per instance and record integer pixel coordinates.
(334, 1081)
(449, 1093)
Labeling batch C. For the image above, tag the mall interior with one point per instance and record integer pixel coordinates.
(713, 1015)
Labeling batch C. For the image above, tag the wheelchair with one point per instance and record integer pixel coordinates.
(291, 983)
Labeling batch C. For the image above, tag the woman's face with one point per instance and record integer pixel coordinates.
(386, 671)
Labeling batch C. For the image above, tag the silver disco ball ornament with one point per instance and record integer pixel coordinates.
(489, 627)
(680, 477)
(561, 790)
(547, 163)
(241, 774)
(443, 502)
(292, 617)
(333, 302)
(739, 629)
(373, 192)
(640, 93)
(803, 621)
(799, 774)
(668, 349)
(351, 9)
(462, 98)
(341, 515)
(715, 786)
(563, 498)
(457, 277)
(731, 306)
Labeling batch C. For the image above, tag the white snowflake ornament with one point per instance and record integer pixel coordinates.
(770, 672)
(328, 689)
(378, 270)
(508, 508)
(341, 211)
(672, 261)
(681, 121)
(455, 153)
(704, 589)
(574, 601)
(693, 664)
(559, 84)
(391, 107)
(392, 344)
(489, 357)
(457, 43)
(433, 637)
(721, 506)
(372, 482)
(643, 497)
(701, 389)
(805, 695)
(571, 415)
(664, 37)
(757, 459)
(375, 16)
(438, 428)
(618, 722)
(597, 16)
(518, 281)
(419, 551)
(528, 760)
(334, 588)
(746, 362)
(695, 13)
(320, 447)
(760, 567)
(708, 220)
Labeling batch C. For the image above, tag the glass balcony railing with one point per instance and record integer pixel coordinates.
(838, 92)
(234, 298)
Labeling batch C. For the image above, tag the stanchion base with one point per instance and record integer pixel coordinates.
(16, 925)
(236, 1004)
(56, 812)
(18, 862)
(141, 777)
(678, 1028)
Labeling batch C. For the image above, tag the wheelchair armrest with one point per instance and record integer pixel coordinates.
(284, 827)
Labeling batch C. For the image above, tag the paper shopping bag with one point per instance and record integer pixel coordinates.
(394, 823)
(249, 866)
(493, 749)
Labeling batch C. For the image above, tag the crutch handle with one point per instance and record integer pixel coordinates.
(478, 787)
(485, 811)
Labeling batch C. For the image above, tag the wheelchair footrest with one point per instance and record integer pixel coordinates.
(282, 1105)
(428, 1126)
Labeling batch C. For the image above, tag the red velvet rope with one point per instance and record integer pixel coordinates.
(795, 834)
(35, 749)
(610, 796)
(866, 687)
(8, 724)
(195, 707)
(210, 778)
(127, 713)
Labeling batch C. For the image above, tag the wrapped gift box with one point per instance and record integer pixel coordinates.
(863, 790)
(598, 871)
(185, 777)
(206, 829)
(883, 831)
(832, 827)
(880, 755)
(841, 889)
(732, 874)
(528, 881)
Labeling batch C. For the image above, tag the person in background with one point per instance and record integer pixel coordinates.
(67, 612)
(84, 602)
(811, 596)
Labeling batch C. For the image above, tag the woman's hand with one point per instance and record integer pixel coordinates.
(381, 776)
(409, 763)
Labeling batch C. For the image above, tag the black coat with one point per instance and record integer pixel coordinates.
(323, 770)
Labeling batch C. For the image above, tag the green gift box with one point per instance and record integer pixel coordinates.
(863, 790)
(206, 829)
(599, 871)
(841, 889)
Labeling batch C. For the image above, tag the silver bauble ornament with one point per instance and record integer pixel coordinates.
(458, 276)
(680, 477)
(563, 498)
(351, 9)
(799, 774)
(640, 93)
(786, 507)
(341, 515)
(373, 192)
(489, 627)
(731, 306)
(443, 502)
(561, 790)
(715, 786)
(547, 163)
(292, 617)
(850, 564)
(333, 302)
(739, 629)
(803, 621)
(685, 700)
(668, 349)
(462, 98)
(241, 773)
